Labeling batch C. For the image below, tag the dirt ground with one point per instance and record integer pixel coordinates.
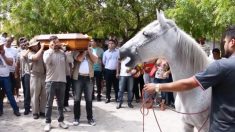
(107, 117)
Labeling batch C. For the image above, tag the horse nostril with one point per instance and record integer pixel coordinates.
(123, 52)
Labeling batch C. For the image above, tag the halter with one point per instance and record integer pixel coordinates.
(151, 38)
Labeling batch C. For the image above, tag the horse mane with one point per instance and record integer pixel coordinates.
(190, 53)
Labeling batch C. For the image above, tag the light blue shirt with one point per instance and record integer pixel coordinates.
(99, 52)
(110, 59)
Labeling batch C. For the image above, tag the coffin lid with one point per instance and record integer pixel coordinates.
(63, 36)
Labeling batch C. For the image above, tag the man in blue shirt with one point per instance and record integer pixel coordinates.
(220, 76)
(110, 61)
(97, 68)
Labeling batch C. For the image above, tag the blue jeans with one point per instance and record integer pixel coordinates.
(6, 87)
(125, 81)
(83, 84)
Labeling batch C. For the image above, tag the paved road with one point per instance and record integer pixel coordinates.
(107, 117)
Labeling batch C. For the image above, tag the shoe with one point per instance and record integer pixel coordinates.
(63, 125)
(35, 116)
(67, 109)
(137, 100)
(91, 122)
(76, 122)
(17, 113)
(119, 106)
(93, 97)
(41, 114)
(98, 99)
(47, 127)
(107, 101)
(130, 105)
(26, 112)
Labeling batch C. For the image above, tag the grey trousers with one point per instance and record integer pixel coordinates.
(55, 89)
(38, 93)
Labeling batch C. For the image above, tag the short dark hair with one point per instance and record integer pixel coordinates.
(114, 41)
(216, 50)
(230, 32)
(23, 40)
(95, 40)
(4, 33)
(53, 38)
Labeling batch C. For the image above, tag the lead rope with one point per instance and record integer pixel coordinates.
(149, 100)
(143, 106)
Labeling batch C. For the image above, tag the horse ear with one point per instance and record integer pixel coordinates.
(161, 18)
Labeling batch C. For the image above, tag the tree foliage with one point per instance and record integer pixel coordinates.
(203, 18)
(98, 18)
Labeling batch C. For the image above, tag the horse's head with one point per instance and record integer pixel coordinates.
(151, 42)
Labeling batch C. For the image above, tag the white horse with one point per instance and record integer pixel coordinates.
(162, 38)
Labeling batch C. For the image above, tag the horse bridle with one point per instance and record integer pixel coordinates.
(137, 46)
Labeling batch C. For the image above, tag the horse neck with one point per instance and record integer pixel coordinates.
(187, 59)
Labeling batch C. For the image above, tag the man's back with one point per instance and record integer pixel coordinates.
(223, 96)
(220, 76)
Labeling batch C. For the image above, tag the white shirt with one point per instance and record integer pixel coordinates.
(110, 59)
(84, 67)
(124, 68)
(4, 70)
(13, 52)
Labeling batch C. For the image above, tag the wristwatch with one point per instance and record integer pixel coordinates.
(157, 89)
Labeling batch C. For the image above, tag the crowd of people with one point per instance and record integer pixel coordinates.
(54, 72)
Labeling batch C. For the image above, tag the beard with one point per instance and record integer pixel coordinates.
(227, 54)
(57, 47)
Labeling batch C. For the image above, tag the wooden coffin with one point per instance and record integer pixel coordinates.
(73, 41)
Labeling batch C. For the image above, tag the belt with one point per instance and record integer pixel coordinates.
(85, 75)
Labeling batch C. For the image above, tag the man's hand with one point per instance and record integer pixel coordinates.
(117, 75)
(89, 50)
(150, 88)
(165, 75)
(42, 45)
(51, 45)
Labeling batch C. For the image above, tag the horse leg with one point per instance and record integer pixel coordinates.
(188, 127)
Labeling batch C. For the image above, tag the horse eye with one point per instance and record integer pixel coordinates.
(146, 34)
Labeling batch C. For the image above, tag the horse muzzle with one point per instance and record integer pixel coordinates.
(127, 52)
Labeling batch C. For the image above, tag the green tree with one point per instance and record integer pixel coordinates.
(207, 18)
(98, 18)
